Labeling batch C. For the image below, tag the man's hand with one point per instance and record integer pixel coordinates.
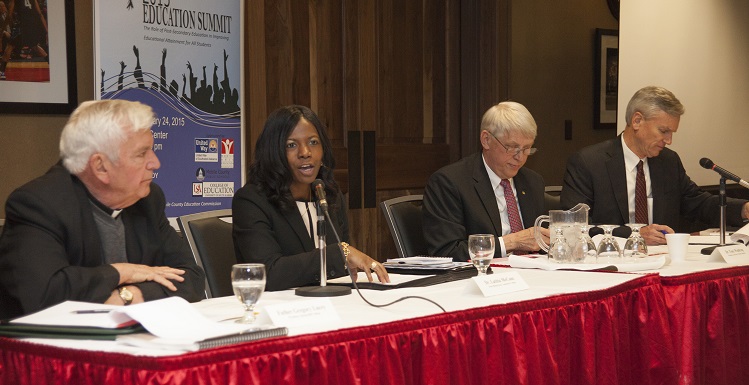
(655, 234)
(525, 240)
(131, 273)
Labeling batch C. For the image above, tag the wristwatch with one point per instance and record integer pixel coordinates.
(126, 295)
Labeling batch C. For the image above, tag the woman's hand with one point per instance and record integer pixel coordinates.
(359, 261)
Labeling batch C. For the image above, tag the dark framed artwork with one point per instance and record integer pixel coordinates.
(40, 77)
(606, 82)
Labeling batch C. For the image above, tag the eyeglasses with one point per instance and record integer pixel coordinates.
(515, 151)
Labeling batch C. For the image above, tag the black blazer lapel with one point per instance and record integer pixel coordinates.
(527, 206)
(615, 167)
(92, 248)
(297, 225)
(482, 184)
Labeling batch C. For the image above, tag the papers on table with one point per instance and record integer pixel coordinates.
(421, 262)
(542, 262)
(166, 318)
(79, 314)
(742, 235)
(173, 323)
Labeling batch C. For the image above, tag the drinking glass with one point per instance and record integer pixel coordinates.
(481, 251)
(608, 249)
(559, 249)
(635, 248)
(584, 250)
(248, 282)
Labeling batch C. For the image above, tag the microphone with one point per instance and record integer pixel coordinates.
(708, 164)
(320, 192)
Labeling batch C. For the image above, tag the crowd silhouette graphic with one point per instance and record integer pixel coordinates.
(217, 98)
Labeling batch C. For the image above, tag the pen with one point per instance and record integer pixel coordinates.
(101, 311)
(664, 232)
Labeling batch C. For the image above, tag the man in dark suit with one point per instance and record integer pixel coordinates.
(93, 227)
(488, 192)
(605, 175)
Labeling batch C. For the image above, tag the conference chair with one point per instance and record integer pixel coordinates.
(403, 216)
(552, 197)
(209, 235)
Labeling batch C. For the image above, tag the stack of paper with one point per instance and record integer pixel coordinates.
(173, 323)
(421, 262)
(742, 235)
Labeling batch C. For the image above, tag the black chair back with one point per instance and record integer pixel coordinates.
(403, 216)
(210, 239)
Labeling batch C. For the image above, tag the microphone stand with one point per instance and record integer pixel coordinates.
(323, 290)
(709, 250)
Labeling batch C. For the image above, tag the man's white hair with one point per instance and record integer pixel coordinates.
(101, 126)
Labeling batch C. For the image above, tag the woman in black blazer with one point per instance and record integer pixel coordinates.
(275, 215)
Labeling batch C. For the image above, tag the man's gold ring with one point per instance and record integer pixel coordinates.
(373, 265)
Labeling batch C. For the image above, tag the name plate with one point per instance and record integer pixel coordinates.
(301, 313)
(500, 283)
(731, 254)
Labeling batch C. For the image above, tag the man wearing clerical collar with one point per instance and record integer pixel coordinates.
(93, 228)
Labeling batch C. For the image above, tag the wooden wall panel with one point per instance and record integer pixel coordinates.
(326, 66)
(287, 53)
(388, 67)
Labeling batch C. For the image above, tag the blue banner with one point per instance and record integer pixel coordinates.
(182, 58)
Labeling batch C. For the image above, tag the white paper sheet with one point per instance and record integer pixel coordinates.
(64, 314)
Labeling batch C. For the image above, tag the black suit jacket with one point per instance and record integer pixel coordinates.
(596, 176)
(459, 200)
(265, 234)
(50, 250)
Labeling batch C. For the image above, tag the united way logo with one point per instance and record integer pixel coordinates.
(227, 153)
(206, 150)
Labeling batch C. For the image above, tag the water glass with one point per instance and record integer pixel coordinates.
(559, 249)
(481, 251)
(635, 247)
(608, 249)
(248, 282)
(584, 250)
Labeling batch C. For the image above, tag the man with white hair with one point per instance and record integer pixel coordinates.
(93, 228)
(489, 192)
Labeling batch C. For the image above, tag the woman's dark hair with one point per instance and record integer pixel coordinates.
(270, 168)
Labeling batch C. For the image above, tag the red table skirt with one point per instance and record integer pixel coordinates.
(615, 336)
(709, 315)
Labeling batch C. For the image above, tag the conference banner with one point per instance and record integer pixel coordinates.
(182, 58)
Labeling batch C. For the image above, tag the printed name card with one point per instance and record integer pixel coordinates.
(500, 283)
(731, 254)
(302, 313)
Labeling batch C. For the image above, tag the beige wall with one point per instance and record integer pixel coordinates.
(30, 142)
(701, 53)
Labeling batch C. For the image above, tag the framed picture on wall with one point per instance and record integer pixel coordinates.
(38, 75)
(606, 83)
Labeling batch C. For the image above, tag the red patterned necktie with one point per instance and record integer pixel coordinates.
(512, 207)
(641, 197)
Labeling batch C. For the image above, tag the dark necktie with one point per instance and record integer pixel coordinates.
(641, 197)
(512, 207)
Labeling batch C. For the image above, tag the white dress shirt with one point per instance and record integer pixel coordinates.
(499, 193)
